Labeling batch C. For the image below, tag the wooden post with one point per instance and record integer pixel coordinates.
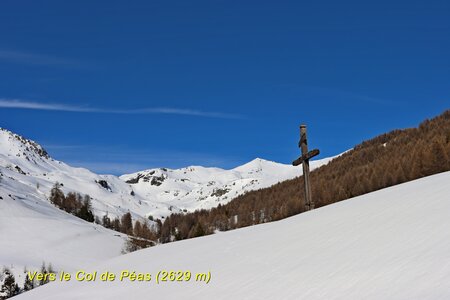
(304, 146)
(304, 159)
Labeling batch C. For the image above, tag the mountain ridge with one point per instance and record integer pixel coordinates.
(156, 192)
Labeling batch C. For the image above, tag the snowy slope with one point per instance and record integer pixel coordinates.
(389, 244)
(32, 232)
(156, 192)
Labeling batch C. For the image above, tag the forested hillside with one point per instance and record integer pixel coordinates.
(386, 160)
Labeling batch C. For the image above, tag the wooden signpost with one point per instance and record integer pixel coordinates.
(304, 160)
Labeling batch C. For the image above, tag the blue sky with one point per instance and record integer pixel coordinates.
(119, 86)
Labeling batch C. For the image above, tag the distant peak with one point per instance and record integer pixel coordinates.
(259, 160)
(257, 164)
(29, 145)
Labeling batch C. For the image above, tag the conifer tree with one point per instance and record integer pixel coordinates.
(85, 212)
(56, 195)
(106, 221)
(70, 203)
(137, 229)
(9, 287)
(116, 224)
(28, 284)
(50, 269)
(44, 271)
(127, 224)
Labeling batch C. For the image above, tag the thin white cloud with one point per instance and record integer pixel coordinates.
(178, 111)
(14, 103)
(21, 104)
(12, 56)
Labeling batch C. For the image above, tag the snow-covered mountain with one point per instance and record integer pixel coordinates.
(25, 163)
(390, 244)
(155, 192)
(196, 187)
